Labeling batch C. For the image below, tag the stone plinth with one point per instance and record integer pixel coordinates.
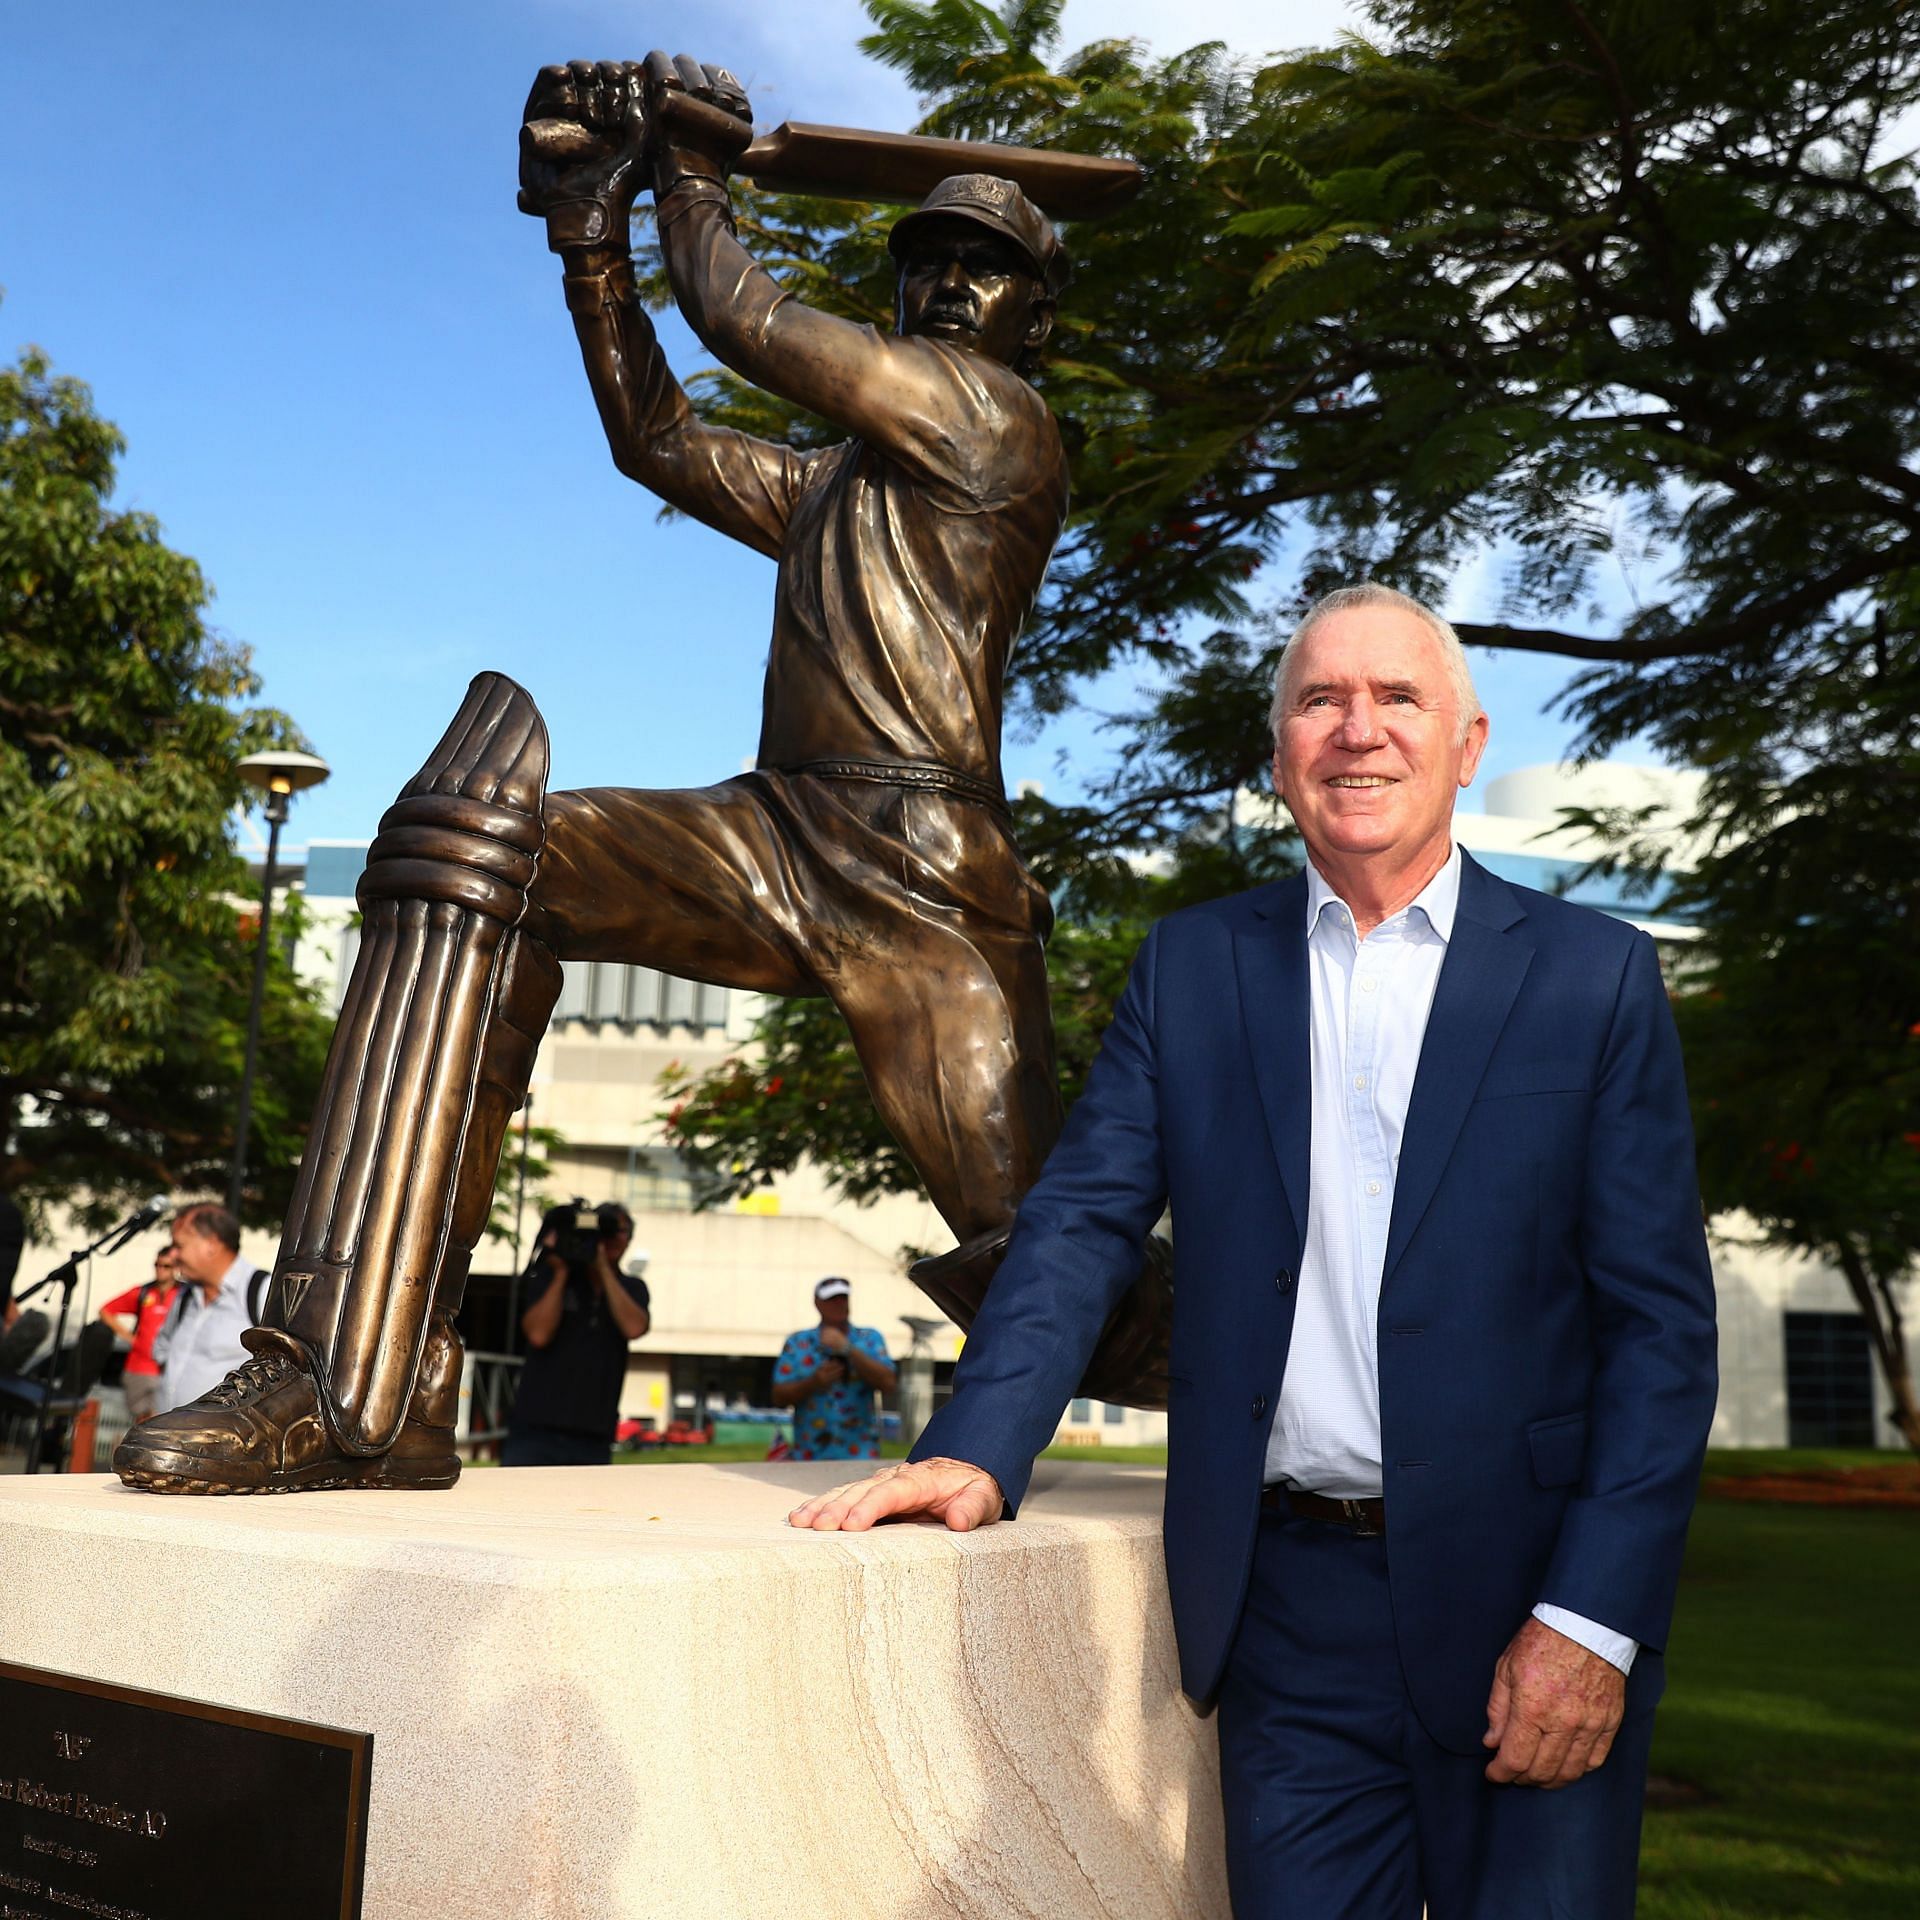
(633, 1691)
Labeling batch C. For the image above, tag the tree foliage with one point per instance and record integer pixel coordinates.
(125, 912)
(1798, 1010)
(1560, 284)
(520, 1193)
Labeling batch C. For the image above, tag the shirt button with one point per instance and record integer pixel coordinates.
(1360, 1083)
(1373, 1186)
(1259, 1405)
(1368, 985)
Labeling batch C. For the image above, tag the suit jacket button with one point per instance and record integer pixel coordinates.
(1259, 1405)
(1283, 1279)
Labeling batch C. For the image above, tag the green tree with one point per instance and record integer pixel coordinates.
(1555, 281)
(1798, 1007)
(520, 1195)
(125, 911)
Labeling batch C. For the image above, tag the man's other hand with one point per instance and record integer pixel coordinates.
(950, 1490)
(829, 1373)
(1553, 1711)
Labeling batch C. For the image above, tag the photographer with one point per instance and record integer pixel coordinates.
(829, 1376)
(578, 1328)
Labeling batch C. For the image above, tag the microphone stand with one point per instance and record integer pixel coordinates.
(66, 1276)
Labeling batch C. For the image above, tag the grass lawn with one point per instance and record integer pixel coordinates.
(1745, 1462)
(1793, 1702)
(757, 1450)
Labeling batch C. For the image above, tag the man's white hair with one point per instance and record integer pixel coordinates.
(1371, 594)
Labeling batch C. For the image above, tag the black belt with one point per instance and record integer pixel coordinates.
(922, 774)
(1366, 1518)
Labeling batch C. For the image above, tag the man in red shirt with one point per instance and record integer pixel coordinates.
(137, 1315)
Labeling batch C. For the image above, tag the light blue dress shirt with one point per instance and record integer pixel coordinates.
(200, 1344)
(1367, 1020)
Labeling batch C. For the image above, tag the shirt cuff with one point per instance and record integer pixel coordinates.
(1618, 1649)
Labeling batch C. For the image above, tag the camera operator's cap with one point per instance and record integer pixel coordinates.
(832, 1289)
(999, 206)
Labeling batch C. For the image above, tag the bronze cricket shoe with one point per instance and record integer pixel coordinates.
(263, 1430)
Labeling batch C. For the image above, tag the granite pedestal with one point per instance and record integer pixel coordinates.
(633, 1691)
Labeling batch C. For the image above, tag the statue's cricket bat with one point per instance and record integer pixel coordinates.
(844, 163)
(848, 163)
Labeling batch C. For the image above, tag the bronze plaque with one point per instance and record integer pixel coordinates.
(122, 1805)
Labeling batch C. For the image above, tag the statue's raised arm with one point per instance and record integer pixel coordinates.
(586, 151)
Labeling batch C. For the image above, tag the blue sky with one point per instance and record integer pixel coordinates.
(281, 245)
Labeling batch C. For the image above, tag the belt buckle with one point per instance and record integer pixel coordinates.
(1355, 1514)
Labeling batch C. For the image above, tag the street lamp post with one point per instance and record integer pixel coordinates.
(279, 776)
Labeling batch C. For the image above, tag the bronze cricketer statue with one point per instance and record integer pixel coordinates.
(869, 856)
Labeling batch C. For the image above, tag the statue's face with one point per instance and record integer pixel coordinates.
(962, 284)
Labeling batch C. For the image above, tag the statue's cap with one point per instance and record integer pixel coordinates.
(999, 206)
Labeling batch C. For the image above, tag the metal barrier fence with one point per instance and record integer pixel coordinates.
(488, 1382)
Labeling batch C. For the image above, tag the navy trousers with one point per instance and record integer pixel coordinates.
(1338, 1804)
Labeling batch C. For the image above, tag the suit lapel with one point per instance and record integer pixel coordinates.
(1485, 963)
(1270, 956)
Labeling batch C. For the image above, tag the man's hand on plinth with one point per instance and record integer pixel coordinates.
(950, 1490)
(1553, 1711)
(584, 151)
(700, 118)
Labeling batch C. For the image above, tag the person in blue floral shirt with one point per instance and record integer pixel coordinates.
(829, 1376)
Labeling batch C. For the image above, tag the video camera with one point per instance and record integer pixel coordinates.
(577, 1231)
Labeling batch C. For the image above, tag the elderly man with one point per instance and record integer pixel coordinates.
(1443, 1345)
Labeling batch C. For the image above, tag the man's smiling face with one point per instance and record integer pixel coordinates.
(960, 284)
(1370, 752)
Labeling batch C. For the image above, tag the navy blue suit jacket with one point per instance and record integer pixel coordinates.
(1547, 1347)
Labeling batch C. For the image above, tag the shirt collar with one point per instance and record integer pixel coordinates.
(1438, 900)
(236, 1275)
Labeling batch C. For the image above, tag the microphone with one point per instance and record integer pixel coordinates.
(136, 1222)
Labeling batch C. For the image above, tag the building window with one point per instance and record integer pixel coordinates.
(657, 1182)
(1114, 1416)
(608, 993)
(1829, 1381)
(1081, 1413)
